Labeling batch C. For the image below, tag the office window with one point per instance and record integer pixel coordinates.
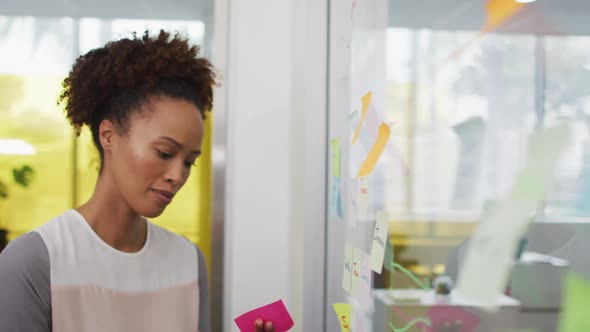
(37, 54)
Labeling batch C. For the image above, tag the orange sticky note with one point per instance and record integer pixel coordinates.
(376, 151)
(366, 100)
(498, 11)
(343, 311)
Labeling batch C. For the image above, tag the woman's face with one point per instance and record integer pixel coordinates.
(153, 160)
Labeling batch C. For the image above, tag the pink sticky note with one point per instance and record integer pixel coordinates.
(443, 315)
(275, 312)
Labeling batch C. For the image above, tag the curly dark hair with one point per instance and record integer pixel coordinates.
(113, 81)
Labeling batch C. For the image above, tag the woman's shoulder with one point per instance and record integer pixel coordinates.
(26, 259)
(168, 239)
(25, 280)
(26, 249)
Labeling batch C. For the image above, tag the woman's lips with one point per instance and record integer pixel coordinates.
(163, 197)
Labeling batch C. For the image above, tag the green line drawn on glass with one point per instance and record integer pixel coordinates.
(410, 324)
(424, 285)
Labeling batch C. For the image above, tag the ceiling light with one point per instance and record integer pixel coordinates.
(16, 147)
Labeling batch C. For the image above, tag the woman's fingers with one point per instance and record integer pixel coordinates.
(268, 327)
(261, 327)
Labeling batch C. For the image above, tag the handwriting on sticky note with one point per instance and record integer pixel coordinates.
(347, 271)
(357, 257)
(343, 312)
(366, 100)
(574, 313)
(364, 196)
(376, 151)
(275, 312)
(335, 157)
(379, 241)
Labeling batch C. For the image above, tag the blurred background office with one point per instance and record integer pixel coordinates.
(462, 106)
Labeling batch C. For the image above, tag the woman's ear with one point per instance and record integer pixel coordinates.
(106, 133)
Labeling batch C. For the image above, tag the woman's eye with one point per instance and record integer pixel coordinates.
(189, 164)
(164, 155)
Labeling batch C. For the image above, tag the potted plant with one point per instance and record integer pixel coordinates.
(21, 176)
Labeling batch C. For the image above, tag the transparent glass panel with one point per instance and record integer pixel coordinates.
(439, 107)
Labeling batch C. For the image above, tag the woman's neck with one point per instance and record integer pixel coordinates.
(113, 220)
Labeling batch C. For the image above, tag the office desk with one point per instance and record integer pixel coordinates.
(402, 306)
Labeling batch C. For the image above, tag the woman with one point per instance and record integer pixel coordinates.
(103, 266)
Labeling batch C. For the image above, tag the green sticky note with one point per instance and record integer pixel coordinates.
(335, 157)
(574, 314)
(529, 186)
(388, 261)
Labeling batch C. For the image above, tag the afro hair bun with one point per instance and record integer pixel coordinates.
(111, 81)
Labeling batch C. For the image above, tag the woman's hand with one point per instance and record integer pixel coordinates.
(261, 327)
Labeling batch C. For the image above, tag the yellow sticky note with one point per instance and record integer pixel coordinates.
(347, 271)
(498, 11)
(574, 313)
(366, 101)
(335, 157)
(379, 241)
(376, 151)
(343, 311)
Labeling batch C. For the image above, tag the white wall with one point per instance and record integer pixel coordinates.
(273, 58)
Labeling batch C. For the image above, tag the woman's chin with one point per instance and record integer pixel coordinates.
(152, 212)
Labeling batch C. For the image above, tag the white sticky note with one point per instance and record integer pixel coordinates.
(490, 254)
(357, 260)
(544, 149)
(347, 269)
(363, 208)
(379, 241)
(353, 198)
(491, 250)
(366, 278)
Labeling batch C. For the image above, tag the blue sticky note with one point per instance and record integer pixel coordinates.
(335, 197)
(339, 204)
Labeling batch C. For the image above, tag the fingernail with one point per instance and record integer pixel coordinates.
(259, 323)
(269, 325)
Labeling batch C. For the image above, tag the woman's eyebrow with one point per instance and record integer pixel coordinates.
(178, 144)
(171, 140)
